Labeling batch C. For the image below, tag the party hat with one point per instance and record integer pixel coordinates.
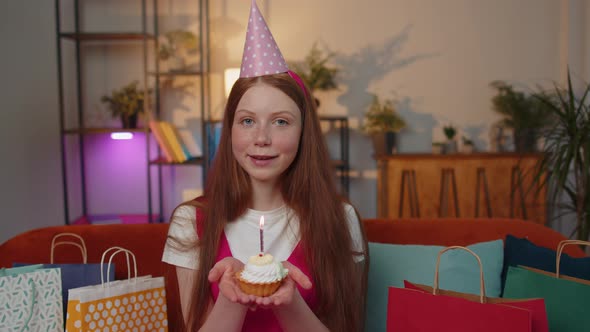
(261, 53)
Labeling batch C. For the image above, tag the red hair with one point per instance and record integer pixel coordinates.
(308, 188)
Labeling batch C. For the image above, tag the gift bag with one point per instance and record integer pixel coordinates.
(567, 299)
(535, 306)
(122, 305)
(30, 299)
(416, 310)
(74, 275)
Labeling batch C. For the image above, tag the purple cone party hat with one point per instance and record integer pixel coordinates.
(261, 53)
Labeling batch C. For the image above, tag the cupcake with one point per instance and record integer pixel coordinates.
(261, 276)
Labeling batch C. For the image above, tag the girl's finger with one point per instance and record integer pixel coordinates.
(298, 276)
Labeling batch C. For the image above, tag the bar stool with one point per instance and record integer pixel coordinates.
(448, 182)
(482, 181)
(409, 178)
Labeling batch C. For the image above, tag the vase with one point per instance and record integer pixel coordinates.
(437, 149)
(525, 140)
(384, 143)
(467, 148)
(129, 121)
(450, 147)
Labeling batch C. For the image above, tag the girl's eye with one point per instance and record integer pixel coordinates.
(247, 122)
(281, 122)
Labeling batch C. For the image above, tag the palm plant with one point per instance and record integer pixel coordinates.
(126, 102)
(565, 164)
(315, 70)
(382, 117)
(382, 123)
(525, 114)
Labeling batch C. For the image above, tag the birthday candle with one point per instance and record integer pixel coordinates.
(261, 224)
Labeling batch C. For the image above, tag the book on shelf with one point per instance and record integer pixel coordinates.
(171, 136)
(162, 141)
(182, 142)
(189, 143)
(213, 137)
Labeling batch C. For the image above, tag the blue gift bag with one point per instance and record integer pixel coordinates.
(75, 275)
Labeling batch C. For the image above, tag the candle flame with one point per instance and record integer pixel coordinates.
(261, 222)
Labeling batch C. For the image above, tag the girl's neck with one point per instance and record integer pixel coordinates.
(266, 197)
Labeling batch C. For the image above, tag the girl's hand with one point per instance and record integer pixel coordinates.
(223, 273)
(288, 289)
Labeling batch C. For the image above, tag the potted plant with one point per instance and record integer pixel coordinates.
(451, 144)
(176, 46)
(316, 72)
(126, 103)
(438, 147)
(565, 165)
(467, 145)
(382, 123)
(524, 114)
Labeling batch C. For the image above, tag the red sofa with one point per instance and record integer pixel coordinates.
(146, 241)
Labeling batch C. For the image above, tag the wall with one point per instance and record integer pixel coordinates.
(31, 192)
(435, 57)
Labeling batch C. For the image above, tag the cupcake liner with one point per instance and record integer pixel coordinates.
(258, 289)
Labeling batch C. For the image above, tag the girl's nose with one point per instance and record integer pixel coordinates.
(263, 136)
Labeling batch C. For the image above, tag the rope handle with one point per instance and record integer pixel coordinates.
(118, 250)
(482, 289)
(31, 306)
(560, 248)
(81, 245)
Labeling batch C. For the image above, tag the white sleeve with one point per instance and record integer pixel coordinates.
(182, 233)
(355, 232)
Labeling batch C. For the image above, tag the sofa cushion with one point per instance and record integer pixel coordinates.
(521, 251)
(391, 264)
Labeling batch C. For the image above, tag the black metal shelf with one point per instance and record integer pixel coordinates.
(147, 39)
(107, 36)
(91, 131)
(178, 73)
(342, 164)
(190, 162)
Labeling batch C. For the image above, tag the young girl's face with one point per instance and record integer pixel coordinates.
(265, 133)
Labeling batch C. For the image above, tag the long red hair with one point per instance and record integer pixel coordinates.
(308, 188)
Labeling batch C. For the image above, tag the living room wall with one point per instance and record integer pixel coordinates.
(435, 57)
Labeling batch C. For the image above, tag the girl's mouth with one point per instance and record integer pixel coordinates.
(261, 160)
(260, 157)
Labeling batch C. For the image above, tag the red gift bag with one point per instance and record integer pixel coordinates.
(416, 310)
(536, 306)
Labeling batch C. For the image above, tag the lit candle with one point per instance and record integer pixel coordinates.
(261, 235)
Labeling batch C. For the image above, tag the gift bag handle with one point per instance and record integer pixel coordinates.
(118, 250)
(482, 289)
(560, 248)
(81, 245)
(31, 306)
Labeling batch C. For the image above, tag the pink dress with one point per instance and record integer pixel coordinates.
(262, 320)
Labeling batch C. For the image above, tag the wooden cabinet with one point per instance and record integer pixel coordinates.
(497, 185)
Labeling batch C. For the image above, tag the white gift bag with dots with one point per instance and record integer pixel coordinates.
(135, 304)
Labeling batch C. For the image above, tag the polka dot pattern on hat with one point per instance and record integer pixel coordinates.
(261, 53)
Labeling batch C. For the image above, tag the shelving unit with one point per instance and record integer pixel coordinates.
(78, 132)
(342, 164)
(199, 76)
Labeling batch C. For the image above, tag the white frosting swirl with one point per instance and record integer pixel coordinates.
(263, 269)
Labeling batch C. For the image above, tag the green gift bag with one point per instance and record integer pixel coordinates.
(567, 299)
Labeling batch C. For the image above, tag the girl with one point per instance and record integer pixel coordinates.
(272, 160)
